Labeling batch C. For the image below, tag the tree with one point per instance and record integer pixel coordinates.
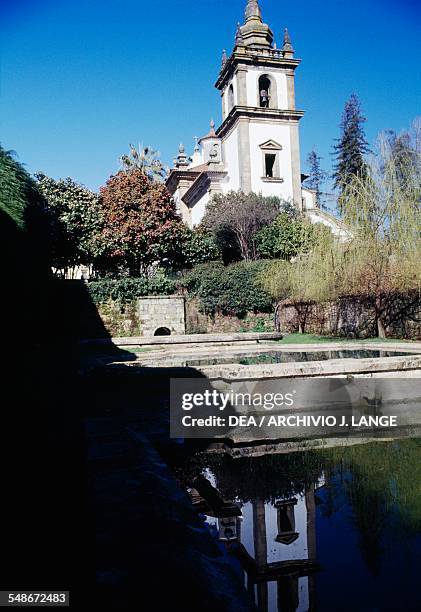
(147, 160)
(285, 238)
(350, 148)
(381, 263)
(312, 277)
(75, 221)
(24, 248)
(235, 218)
(403, 151)
(141, 226)
(233, 290)
(317, 175)
(198, 247)
(378, 266)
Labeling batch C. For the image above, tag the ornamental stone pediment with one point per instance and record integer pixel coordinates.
(271, 145)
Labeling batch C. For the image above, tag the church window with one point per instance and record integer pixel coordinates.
(271, 163)
(270, 159)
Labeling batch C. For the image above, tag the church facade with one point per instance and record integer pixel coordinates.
(257, 146)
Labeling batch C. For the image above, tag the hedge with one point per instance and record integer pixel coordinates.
(232, 290)
(128, 289)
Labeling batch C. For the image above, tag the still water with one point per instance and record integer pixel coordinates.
(334, 530)
(292, 356)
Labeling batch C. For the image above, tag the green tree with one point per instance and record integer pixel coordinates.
(147, 160)
(75, 221)
(378, 264)
(317, 176)
(285, 238)
(403, 152)
(234, 290)
(24, 248)
(350, 149)
(198, 247)
(141, 226)
(236, 217)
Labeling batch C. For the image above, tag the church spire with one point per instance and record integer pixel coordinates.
(254, 32)
(253, 11)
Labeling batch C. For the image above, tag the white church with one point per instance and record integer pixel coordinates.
(257, 146)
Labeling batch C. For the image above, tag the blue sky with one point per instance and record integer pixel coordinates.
(82, 78)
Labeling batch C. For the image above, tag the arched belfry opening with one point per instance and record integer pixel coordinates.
(267, 94)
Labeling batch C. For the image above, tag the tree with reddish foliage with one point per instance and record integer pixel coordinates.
(141, 226)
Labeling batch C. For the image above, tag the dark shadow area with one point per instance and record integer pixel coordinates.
(148, 533)
(162, 331)
(47, 537)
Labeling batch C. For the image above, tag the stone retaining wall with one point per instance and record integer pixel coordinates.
(161, 314)
(199, 323)
(351, 317)
(144, 317)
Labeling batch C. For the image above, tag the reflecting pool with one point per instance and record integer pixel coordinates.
(290, 356)
(329, 530)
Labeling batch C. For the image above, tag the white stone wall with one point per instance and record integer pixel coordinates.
(225, 96)
(309, 199)
(260, 133)
(230, 158)
(198, 210)
(337, 228)
(161, 311)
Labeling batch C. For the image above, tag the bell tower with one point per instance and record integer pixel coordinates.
(260, 128)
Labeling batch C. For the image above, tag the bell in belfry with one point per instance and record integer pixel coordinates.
(264, 98)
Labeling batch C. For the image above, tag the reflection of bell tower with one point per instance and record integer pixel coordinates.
(258, 106)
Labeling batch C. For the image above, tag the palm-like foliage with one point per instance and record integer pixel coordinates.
(145, 159)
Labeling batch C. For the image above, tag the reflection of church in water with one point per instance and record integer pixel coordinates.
(275, 543)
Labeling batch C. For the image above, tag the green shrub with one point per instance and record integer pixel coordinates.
(285, 238)
(232, 290)
(128, 289)
(199, 247)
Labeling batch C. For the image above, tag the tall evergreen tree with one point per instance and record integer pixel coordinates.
(317, 175)
(403, 155)
(351, 147)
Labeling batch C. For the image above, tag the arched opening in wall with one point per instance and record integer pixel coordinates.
(162, 331)
(230, 97)
(267, 92)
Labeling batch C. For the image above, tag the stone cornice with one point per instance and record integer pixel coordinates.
(201, 184)
(251, 112)
(269, 58)
(176, 175)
